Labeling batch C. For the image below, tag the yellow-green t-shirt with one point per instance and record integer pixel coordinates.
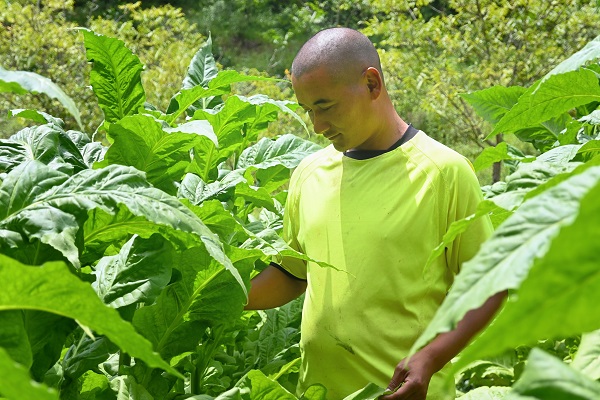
(377, 221)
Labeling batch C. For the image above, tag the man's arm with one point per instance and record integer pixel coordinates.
(415, 373)
(273, 288)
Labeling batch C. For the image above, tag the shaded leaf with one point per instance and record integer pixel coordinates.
(16, 383)
(547, 378)
(137, 274)
(51, 287)
(587, 358)
(205, 295)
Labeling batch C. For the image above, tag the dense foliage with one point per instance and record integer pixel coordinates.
(126, 264)
(126, 247)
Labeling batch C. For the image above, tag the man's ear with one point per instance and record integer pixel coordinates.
(374, 82)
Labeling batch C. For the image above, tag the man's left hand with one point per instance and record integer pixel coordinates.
(413, 377)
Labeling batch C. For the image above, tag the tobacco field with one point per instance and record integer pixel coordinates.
(126, 253)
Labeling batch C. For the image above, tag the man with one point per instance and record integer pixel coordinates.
(373, 205)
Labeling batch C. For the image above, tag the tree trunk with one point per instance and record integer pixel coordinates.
(497, 168)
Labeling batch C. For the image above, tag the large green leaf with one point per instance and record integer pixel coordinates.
(219, 85)
(264, 388)
(202, 68)
(369, 392)
(590, 52)
(103, 230)
(22, 82)
(547, 378)
(205, 295)
(587, 358)
(36, 116)
(115, 76)
(493, 103)
(53, 288)
(501, 152)
(487, 393)
(285, 106)
(13, 337)
(137, 274)
(558, 94)
(47, 333)
(280, 330)
(504, 261)
(16, 384)
(139, 141)
(86, 355)
(46, 143)
(287, 150)
(42, 204)
(564, 281)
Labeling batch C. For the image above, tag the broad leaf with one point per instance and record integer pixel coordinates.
(587, 358)
(590, 52)
(51, 287)
(36, 116)
(115, 76)
(564, 281)
(202, 68)
(547, 378)
(139, 141)
(264, 388)
(590, 150)
(487, 393)
(13, 337)
(287, 150)
(219, 85)
(47, 334)
(86, 355)
(286, 106)
(557, 95)
(504, 261)
(280, 330)
(48, 144)
(42, 204)
(501, 152)
(137, 274)
(205, 295)
(17, 384)
(369, 392)
(493, 103)
(103, 230)
(22, 82)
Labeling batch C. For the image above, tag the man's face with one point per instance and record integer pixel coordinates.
(339, 109)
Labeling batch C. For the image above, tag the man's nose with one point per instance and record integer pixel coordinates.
(320, 124)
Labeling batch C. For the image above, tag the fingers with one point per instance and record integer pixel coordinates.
(408, 391)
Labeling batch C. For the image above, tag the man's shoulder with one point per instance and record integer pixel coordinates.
(326, 156)
(440, 156)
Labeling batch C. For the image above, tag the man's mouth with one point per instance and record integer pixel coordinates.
(331, 136)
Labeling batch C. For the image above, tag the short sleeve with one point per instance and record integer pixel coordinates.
(464, 195)
(293, 265)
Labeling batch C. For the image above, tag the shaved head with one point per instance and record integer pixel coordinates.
(343, 51)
